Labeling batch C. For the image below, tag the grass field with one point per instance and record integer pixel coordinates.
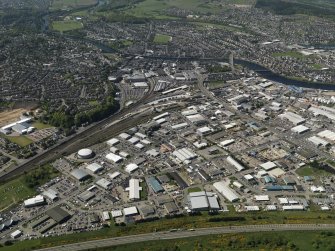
(194, 189)
(185, 222)
(13, 192)
(162, 39)
(39, 125)
(62, 26)
(20, 140)
(306, 241)
(70, 4)
(154, 8)
(310, 171)
(292, 54)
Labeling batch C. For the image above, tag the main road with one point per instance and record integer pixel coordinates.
(115, 241)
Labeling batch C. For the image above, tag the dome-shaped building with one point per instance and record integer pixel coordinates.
(85, 153)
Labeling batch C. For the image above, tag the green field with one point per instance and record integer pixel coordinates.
(162, 39)
(292, 54)
(306, 241)
(21, 188)
(310, 171)
(70, 4)
(20, 140)
(157, 8)
(62, 26)
(194, 189)
(13, 192)
(185, 222)
(39, 125)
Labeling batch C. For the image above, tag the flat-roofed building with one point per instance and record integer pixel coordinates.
(129, 211)
(226, 191)
(134, 189)
(104, 183)
(58, 214)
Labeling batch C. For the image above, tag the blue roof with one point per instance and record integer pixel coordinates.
(308, 178)
(279, 188)
(155, 185)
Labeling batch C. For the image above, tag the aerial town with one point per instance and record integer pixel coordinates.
(118, 124)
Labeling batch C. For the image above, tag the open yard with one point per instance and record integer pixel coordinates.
(13, 192)
(62, 26)
(39, 125)
(162, 39)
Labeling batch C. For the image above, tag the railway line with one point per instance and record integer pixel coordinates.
(92, 135)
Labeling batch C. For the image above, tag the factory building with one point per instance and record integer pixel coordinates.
(226, 191)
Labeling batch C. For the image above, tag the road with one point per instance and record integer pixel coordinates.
(187, 233)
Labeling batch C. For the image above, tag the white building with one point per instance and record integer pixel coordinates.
(35, 201)
(226, 191)
(134, 189)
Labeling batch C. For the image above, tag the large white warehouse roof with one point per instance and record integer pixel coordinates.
(226, 191)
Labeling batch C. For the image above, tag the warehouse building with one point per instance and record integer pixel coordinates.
(35, 201)
(227, 142)
(155, 185)
(114, 157)
(327, 134)
(58, 214)
(113, 142)
(293, 118)
(86, 196)
(318, 141)
(50, 194)
(300, 129)
(94, 167)
(203, 201)
(80, 174)
(267, 166)
(104, 183)
(237, 165)
(132, 167)
(134, 189)
(226, 191)
(184, 154)
(129, 211)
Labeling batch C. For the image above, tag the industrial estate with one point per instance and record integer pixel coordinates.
(134, 129)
